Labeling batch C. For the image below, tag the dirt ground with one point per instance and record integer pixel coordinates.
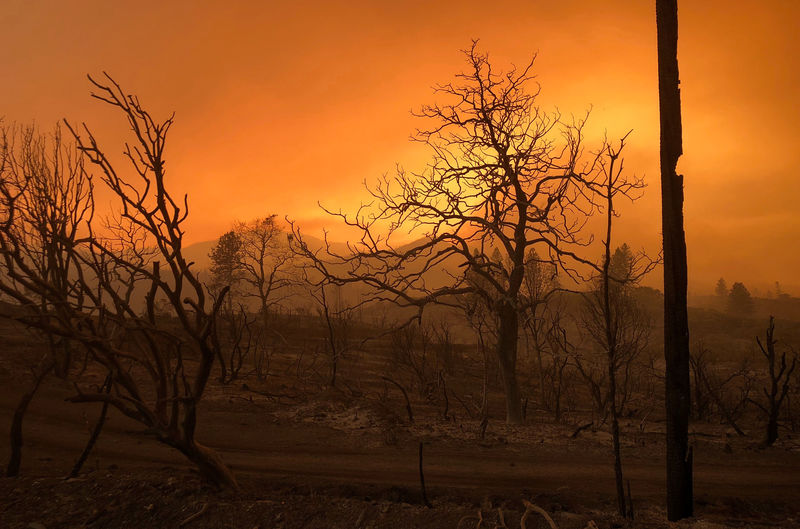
(309, 456)
(336, 461)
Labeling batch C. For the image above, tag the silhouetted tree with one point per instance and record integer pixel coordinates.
(780, 373)
(612, 316)
(338, 320)
(39, 373)
(739, 300)
(158, 375)
(561, 352)
(616, 324)
(504, 176)
(624, 265)
(721, 289)
(729, 392)
(676, 320)
(630, 327)
(226, 273)
(266, 262)
(226, 262)
(44, 200)
(539, 316)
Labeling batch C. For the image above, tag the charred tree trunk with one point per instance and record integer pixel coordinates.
(15, 436)
(223, 371)
(612, 397)
(98, 427)
(332, 345)
(507, 359)
(209, 464)
(779, 375)
(772, 430)
(611, 323)
(676, 326)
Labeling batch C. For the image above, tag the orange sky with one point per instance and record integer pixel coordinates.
(281, 104)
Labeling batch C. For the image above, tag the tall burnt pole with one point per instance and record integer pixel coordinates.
(676, 322)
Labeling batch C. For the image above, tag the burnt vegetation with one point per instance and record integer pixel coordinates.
(510, 313)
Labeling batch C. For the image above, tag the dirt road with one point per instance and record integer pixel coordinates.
(255, 443)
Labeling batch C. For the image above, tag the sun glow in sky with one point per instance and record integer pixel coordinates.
(280, 105)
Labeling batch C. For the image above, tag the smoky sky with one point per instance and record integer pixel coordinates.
(280, 105)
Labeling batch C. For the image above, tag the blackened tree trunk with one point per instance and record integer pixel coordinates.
(676, 325)
(209, 464)
(612, 397)
(15, 435)
(98, 427)
(611, 342)
(780, 372)
(508, 337)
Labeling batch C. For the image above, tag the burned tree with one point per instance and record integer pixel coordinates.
(268, 275)
(266, 262)
(504, 176)
(226, 265)
(612, 317)
(561, 351)
(729, 392)
(617, 325)
(226, 274)
(44, 197)
(538, 287)
(676, 317)
(119, 268)
(251, 261)
(780, 373)
(15, 432)
(338, 321)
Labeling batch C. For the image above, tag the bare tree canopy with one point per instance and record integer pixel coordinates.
(504, 177)
(97, 280)
(266, 261)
